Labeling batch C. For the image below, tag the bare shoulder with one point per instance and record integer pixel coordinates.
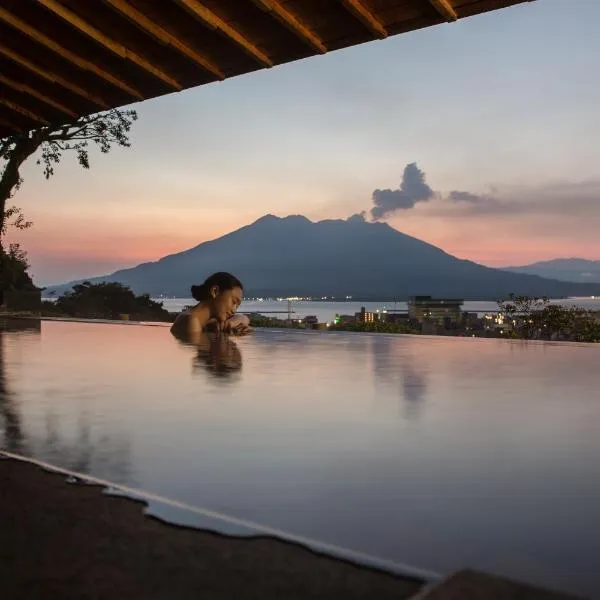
(181, 324)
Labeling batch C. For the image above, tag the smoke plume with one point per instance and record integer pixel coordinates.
(413, 189)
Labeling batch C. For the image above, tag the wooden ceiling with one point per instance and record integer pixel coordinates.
(60, 59)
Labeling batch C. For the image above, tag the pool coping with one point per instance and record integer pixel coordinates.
(259, 530)
(111, 542)
(57, 564)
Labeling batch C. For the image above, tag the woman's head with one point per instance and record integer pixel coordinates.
(222, 292)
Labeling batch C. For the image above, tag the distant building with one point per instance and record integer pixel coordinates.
(470, 319)
(396, 316)
(471, 322)
(345, 319)
(366, 317)
(441, 310)
(310, 320)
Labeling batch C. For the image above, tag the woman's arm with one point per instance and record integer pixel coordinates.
(237, 325)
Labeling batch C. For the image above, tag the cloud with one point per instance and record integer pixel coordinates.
(479, 203)
(497, 225)
(466, 197)
(536, 221)
(573, 200)
(413, 189)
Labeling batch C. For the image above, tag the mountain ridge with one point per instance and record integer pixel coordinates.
(293, 256)
(578, 270)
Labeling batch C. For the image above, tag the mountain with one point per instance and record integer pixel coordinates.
(564, 269)
(293, 256)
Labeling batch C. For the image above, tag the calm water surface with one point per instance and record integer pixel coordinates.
(436, 452)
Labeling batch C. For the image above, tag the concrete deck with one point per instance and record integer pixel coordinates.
(472, 585)
(72, 541)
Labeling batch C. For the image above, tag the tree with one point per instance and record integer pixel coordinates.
(520, 311)
(105, 130)
(14, 265)
(108, 301)
(537, 318)
(14, 268)
(18, 220)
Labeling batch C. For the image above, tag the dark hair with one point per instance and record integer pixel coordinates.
(224, 281)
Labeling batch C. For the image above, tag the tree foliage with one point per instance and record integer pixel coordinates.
(14, 268)
(103, 130)
(14, 217)
(109, 301)
(14, 265)
(537, 318)
(519, 311)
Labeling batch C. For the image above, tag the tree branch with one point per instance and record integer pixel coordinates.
(104, 129)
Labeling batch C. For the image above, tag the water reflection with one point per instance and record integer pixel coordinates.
(85, 450)
(13, 437)
(32, 326)
(52, 434)
(219, 356)
(216, 353)
(395, 364)
(10, 419)
(414, 386)
(494, 465)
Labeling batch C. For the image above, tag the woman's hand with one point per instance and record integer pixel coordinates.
(237, 325)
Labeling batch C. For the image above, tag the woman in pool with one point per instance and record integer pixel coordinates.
(218, 299)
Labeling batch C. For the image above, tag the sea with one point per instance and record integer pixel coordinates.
(326, 311)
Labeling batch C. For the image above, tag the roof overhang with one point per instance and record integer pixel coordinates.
(60, 59)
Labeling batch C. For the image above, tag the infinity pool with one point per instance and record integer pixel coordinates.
(440, 453)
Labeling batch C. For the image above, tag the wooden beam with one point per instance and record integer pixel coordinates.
(366, 17)
(86, 65)
(112, 45)
(291, 22)
(213, 21)
(44, 74)
(19, 109)
(25, 89)
(445, 9)
(163, 36)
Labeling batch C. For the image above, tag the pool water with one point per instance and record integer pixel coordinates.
(441, 453)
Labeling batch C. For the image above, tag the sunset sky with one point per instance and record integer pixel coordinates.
(500, 111)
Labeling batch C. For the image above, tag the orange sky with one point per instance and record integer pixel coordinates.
(516, 127)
